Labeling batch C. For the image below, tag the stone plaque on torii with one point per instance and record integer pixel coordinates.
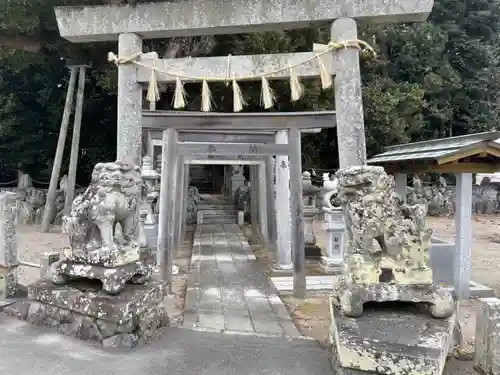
(130, 25)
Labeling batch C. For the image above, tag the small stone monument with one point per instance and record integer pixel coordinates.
(102, 290)
(194, 199)
(386, 255)
(8, 245)
(486, 202)
(237, 179)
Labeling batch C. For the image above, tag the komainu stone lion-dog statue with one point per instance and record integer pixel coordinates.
(387, 246)
(113, 197)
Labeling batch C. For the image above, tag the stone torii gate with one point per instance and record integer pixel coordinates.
(264, 198)
(175, 153)
(130, 25)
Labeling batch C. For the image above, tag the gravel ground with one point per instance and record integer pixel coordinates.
(33, 243)
(485, 249)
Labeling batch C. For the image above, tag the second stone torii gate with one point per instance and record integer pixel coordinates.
(286, 125)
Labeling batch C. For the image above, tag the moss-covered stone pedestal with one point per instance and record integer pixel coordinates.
(113, 279)
(80, 309)
(394, 339)
(350, 298)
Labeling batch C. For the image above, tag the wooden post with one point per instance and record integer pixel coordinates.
(75, 143)
(297, 215)
(56, 168)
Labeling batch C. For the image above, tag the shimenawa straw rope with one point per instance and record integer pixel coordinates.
(267, 95)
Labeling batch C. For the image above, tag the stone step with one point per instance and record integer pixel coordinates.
(228, 216)
(219, 221)
(216, 207)
(216, 220)
(218, 212)
(219, 217)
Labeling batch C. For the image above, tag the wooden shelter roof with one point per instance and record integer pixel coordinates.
(474, 153)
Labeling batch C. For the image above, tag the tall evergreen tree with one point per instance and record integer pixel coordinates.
(431, 79)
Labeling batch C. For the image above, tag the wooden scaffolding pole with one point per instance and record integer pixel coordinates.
(56, 168)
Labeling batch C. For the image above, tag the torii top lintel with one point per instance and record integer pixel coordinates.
(82, 24)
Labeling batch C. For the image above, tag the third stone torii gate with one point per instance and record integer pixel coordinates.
(175, 154)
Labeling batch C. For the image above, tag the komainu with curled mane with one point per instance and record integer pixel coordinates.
(387, 240)
(112, 197)
(387, 246)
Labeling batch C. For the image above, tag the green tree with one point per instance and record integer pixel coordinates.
(431, 79)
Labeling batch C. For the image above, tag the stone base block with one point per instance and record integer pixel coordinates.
(393, 340)
(135, 316)
(476, 290)
(331, 265)
(487, 354)
(280, 270)
(480, 291)
(241, 218)
(113, 279)
(151, 231)
(351, 297)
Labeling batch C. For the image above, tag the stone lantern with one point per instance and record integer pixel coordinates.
(309, 196)
(151, 178)
(332, 261)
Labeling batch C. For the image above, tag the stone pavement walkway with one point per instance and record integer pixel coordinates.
(227, 290)
(26, 350)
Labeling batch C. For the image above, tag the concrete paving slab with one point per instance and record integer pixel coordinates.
(28, 350)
